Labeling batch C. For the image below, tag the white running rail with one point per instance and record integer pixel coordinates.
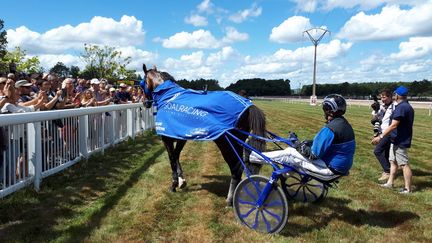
(35, 145)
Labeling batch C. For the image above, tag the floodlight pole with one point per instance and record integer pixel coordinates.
(315, 42)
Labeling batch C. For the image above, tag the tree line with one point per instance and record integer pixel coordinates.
(421, 88)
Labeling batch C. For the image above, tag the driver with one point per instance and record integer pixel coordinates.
(332, 150)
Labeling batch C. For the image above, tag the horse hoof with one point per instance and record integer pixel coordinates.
(174, 185)
(182, 183)
(229, 202)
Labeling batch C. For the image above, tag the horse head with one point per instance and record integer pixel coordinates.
(152, 79)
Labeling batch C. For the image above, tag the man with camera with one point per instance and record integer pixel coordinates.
(400, 132)
(381, 120)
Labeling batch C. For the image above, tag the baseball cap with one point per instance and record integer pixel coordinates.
(22, 83)
(123, 85)
(112, 89)
(3, 80)
(94, 81)
(401, 90)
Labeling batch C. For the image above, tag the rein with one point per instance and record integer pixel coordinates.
(143, 84)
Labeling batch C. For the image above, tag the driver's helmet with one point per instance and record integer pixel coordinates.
(334, 105)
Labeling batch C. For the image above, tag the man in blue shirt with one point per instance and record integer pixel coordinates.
(400, 131)
(333, 147)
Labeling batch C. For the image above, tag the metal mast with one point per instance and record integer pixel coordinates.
(315, 41)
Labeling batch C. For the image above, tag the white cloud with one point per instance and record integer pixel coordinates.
(221, 56)
(49, 60)
(201, 39)
(138, 57)
(311, 6)
(362, 4)
(391, 23)
(196, 65)
(284, 61)
(189, 67)
(100, 30)
(196, 20)
(291, 30)
(374, 61)
(243, 15)
(232, 35)
(411, 67)
(205, 6)
(416, 47)
(193, 60)
(306, 5)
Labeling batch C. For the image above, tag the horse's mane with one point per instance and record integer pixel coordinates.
(167, 76)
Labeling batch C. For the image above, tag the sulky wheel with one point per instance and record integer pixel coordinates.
(303, 188)
(269, 218)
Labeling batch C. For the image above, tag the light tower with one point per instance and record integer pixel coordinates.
(315, 38)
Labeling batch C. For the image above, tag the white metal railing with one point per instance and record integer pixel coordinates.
(35, 145)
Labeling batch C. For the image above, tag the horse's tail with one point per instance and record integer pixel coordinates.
(257, 124)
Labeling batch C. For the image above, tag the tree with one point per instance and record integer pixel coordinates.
(74, 71)
(200, 84)
(3, 43)
(258, 87)
(60, 69)
(23, 64)
(105, 62)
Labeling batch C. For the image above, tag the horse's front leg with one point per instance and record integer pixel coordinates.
(169, 145)
(178, 148)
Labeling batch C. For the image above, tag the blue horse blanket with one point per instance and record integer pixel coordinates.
(196, 115)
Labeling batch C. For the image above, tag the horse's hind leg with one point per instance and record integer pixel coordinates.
(233, 162)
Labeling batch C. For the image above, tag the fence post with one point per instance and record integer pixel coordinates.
(34, 145)
(131, 122)
(430, 109)
(83, 135)
(110, 127)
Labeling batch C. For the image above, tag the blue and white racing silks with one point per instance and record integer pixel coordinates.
(335, 145)
(196, 115)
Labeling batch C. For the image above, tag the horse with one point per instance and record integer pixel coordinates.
(251, 119)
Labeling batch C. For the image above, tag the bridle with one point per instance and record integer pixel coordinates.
(148, 91)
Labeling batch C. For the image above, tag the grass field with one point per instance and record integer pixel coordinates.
(123, 195)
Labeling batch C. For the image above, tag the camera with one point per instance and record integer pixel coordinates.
(376, 122)
(375, 105)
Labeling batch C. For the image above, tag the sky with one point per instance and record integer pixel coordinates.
(227, 40)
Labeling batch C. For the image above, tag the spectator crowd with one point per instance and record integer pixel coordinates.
(48, 92)
(40, 92)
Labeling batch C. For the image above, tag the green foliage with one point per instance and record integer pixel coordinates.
(354, 90)
(3, 40)
(74, 71)
(23, 64)
(200, 84)
(60, 69)
(105, 62)
(262, 87)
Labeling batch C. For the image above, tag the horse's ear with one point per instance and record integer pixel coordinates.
(145, 69)
(154, 68)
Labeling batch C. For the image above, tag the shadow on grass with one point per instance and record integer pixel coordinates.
(79, 197)
(417, 172)
(340, 211)
(218, 185)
